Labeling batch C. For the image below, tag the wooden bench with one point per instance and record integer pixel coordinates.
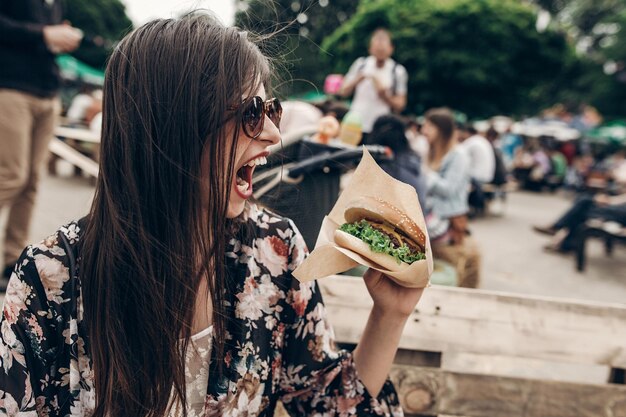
(496, 330)
(610, 232)
(70, 154)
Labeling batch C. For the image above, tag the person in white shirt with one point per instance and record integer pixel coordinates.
(379, 83)
(482, 166)
(480, 153)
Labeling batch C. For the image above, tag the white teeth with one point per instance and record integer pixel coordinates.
(257, 161)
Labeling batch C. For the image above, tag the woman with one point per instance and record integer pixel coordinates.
(175, 295)
(389, 130)
(447, 179)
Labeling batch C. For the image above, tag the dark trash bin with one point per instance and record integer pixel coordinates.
(302, 182)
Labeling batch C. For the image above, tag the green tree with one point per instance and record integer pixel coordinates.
(598, 29)
(104, 22)
(298, 28)
(482, 57)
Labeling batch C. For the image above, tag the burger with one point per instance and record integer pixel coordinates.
(382, 233)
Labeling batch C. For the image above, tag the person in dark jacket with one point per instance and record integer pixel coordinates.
(389, 130)
(31, 33)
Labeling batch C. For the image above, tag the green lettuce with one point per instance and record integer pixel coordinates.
(380, 242)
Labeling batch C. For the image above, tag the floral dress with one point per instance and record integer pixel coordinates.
(280, 342)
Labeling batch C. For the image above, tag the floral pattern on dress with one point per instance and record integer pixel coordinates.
(279, 343)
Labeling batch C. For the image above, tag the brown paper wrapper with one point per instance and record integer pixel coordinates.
(368, 180)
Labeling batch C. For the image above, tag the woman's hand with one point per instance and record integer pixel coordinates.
(390, 299)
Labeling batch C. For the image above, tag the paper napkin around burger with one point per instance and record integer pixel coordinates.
(368, 180)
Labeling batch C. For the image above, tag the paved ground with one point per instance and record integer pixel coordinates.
(512, 256)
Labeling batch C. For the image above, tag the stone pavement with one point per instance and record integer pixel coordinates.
(513, 259)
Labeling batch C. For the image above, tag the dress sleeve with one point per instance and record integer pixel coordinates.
(24, 341)
(316, 377)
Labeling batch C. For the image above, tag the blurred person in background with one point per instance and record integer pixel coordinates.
(602, 206)
(417, 140)
(79, 105)
(379, 83)
(559, 165)
(447, 180)
(500, 175)
(406, 165)
(31, 33)
(448, 185)
(509, 144)
(482, 164)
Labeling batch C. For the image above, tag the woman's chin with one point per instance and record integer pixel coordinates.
(235, 208)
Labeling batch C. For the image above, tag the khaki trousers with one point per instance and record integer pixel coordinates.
(26, 127)
(465, 257)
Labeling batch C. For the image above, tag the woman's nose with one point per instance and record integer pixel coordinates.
(270, 134)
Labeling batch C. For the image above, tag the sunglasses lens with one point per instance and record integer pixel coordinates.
(253, 117)
(275, 112)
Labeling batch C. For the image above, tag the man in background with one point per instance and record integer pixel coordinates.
(482, 164)
(379, 83)
(31, 33)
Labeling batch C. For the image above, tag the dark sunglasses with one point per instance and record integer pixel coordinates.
(253, 113)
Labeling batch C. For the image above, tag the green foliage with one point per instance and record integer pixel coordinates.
(598, 28)
(296, 45)
(482, 57)
(97, 18)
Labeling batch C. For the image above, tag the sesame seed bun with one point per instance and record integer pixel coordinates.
(379, 210)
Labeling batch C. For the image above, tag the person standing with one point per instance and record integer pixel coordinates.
(31, 33)
(379, 83)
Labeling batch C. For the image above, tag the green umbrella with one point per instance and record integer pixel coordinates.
(610, 133)
(72, 69)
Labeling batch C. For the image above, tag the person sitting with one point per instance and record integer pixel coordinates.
(482, 164)
(448, 184)
(406, 165)
(448, 179)
(497, 197)
(564, 230)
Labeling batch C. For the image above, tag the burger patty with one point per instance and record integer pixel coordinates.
(397, 239)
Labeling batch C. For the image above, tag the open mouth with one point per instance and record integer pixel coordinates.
(243, 177)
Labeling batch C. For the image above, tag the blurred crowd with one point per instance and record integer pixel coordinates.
(461, 170)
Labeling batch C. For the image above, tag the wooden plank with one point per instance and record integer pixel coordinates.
(513, 366)
(74, 157)
(432, 391)
(477, 321)
(84, 135)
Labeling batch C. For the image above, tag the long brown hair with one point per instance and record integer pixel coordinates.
(158, 225)
(443, 119)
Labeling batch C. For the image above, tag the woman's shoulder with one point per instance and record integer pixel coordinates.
(456, 155)
(276, 235)
(44, 272)
(265, 221)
